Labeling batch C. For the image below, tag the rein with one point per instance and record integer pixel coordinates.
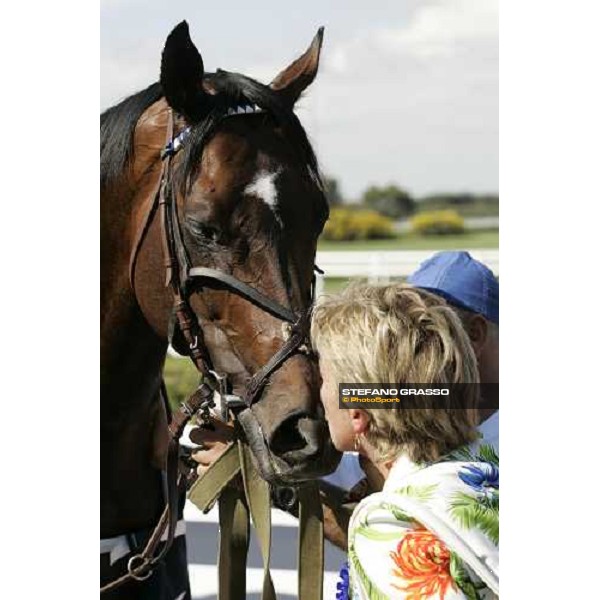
(234, 503)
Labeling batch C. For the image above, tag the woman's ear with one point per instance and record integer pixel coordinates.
(359, 419)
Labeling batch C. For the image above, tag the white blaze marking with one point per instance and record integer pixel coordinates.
(263, 187)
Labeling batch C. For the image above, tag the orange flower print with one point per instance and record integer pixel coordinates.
(423, 565)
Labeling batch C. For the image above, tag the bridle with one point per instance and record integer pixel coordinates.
(183, 279)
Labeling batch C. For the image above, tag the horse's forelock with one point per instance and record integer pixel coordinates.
(233, 90)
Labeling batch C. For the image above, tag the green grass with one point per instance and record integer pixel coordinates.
(181, 379)
(410, 241)
(335, 284)
(478, 211)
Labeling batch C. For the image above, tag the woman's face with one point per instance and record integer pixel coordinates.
(338, 419)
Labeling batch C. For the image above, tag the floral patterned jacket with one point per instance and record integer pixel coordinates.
(432, 532)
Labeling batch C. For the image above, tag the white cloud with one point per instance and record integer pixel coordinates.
(440, 28)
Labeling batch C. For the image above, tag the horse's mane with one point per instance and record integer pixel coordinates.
(117, 124)
(116, 130)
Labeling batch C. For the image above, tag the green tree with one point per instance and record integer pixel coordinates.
(332, 191)
(390, 201)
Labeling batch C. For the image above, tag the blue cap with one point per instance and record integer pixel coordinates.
(463, 281)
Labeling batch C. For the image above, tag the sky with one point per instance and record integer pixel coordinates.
(407, 90)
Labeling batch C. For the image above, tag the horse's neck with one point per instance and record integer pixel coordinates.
(132, 357)
(131, 352)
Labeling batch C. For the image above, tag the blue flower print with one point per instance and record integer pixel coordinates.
(482, 478)
(343, 584)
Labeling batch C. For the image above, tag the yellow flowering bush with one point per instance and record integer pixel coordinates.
(346, 224)
(437, 222)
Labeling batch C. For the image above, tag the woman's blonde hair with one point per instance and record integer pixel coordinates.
(400, 334)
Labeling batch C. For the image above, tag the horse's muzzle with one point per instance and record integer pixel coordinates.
(299, 449)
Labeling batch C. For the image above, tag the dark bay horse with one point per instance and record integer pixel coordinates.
(251, 205)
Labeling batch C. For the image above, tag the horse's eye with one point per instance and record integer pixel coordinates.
(203, 231)
(211, 233)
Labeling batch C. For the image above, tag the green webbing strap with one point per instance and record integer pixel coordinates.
(206, 489)
(234, 525)
(233, 544)
(258, 496)
(310, 543)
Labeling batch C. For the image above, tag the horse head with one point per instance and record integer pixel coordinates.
(250, 206)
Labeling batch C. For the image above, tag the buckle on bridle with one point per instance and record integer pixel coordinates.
(228, 401)
(286, 330)
(134, 571)
(186, 409)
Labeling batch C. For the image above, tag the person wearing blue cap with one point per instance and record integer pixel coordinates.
(473, 290)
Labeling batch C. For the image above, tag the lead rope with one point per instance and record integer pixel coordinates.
(235, 509)
(258, 497)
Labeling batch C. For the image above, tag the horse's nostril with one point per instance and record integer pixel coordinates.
(290, 435)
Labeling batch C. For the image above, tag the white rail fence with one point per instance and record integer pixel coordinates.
(383, 265)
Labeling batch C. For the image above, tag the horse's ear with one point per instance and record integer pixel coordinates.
(294, 79)
(181, 73)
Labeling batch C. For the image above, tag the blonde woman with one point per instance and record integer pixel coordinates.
(433, 530)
